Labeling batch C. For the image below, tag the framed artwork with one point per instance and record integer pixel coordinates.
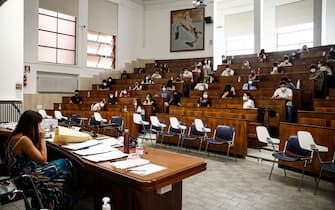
(187, 30)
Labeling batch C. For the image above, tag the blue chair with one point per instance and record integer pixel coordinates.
(292, 152)
(76, 120)
(193, 135)
(328, 166)
(116, 123)
(223, 134)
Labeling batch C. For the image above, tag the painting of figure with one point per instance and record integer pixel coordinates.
(187, 30)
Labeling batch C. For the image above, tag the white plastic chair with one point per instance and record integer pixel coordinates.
(307, 142)
(199, 125)
(137, 119)
(177, 128)
(44, 114)
(264, 137)
(59, 115)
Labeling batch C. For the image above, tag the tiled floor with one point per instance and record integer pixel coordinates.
(244, 184)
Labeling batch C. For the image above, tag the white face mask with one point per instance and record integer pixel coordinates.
(205, 96)
(245, 98)
(275, 68)
(283, 89)
(319, 65)
(250, 82)
(313, 70)
(163, 89)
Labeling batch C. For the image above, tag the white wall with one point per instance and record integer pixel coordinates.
(11, 53)
(328, 22)
(130, 35)
(294, 13)
(157, 31)
(239, 24)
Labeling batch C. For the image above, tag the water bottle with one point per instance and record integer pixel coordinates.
(88, 94)
(298, 84)
(125, 108)
(239, 79)
(126, 143)
(139, 149)
(106, 205)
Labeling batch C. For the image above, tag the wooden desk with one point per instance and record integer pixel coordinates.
(131, 191)
(127, 190)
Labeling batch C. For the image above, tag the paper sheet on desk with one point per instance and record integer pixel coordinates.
(82, 145)
(105, 156)
(146, 169)
(97, 149)
(110, 141)
(125, 164)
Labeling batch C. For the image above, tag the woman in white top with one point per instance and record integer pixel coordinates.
(99, 106)
(248, 102)
(139, 108)
(227, 72)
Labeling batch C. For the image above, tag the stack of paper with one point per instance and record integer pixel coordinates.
(146, 169)
(125, 164)
(106, 156)
(82, 145)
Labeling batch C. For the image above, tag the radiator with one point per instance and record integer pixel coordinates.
(10, 111)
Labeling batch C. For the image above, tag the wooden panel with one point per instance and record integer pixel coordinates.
(312, 121)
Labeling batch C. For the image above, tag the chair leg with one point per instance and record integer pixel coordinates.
(206, 150)
(301, 179)
(273, 165)
(227, 154)
(317, 182)
(285, 172)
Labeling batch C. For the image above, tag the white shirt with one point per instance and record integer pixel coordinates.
(156, 76)
(98, 106)
(285, 63)
(286, 94)
(187, 74)
(201, 86)
(227, 72)
(326, 69)
(249, 104)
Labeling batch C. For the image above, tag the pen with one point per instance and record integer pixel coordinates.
(136, 170)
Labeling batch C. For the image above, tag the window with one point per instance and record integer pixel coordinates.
(56, 37)
(294, 37)
(100, 50)
(240, 45)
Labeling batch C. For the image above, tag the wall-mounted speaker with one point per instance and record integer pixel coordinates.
(208, 20)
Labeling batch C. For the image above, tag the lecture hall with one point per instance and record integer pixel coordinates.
(167, 104)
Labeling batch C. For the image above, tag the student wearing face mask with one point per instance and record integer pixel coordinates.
(227, 72)
(283, 92)
(319, 81)
(99, 105)
(147, 80)
(104, 85)
(248, 101)
(249, 86)
(274, 68)
(285, 62)
(167, 98)
(112, 99)
(203, 100)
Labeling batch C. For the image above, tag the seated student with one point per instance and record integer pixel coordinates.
(201, 86)
(176, 98)
(204, 100)
(167, 98)
(227, 72)
(197, 68)
(246, 65)
(274, 68)
(137, 86)
(285, 62)
(248, 101)
(288, 82)
(252, 76)
(229, 91)
(124, 94)
(138, 107)
(249, 86)
(169, 84)
(99, 105)
(76, 99)
(331, 55)
(109, 81)
(112, 98)
(187, 74)
(156, 75)
(104, 85)
(164, 68)
(283, 92)
(324, 67)
(26, 153)
(147, 80)
(303, 51)
(262, 56)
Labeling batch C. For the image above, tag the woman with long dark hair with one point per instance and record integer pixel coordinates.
(26, 153)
